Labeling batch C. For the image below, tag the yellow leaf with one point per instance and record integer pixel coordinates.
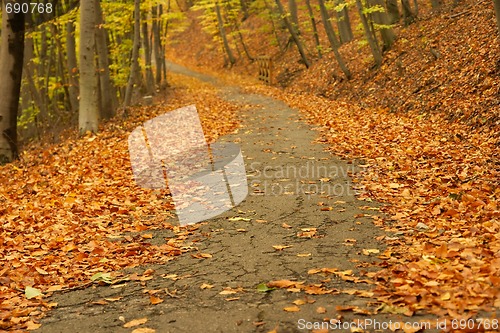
(206, 286)
(41, 271)
(281, 247)
(135, 322)
(367, 252)
(30, 326)
(293, 308)
(299, 302)
(446, 296)
(320, 309)
(144, 330)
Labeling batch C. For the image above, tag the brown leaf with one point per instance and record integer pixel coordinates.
(155, 300)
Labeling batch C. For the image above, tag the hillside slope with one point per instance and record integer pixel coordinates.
(446, 62)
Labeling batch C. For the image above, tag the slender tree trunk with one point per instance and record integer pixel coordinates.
(273, 26)
(134, 67)
(28, 73)
(293, 33)
(108, 93)
(344, 23)
(72, 66)
(315, 29)
(245, 48)
(88, 116)
(408, 16)
(244, 9)
(332, 38)
(496, 3)
(163, 46)
(392, 10)
(150, 80)
(382, 19)
(11, 70)
(62, 75)
(222, 32)
(157, 43)
(294, 17)
(370, 37)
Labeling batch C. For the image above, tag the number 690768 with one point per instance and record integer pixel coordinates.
(28, 8)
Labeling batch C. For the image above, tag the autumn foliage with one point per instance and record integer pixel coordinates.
(71, 210)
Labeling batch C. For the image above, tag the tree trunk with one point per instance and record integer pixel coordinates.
(88, 116)
(496, 3)
(370, 37)
(150, 80)
(332, 38)
(156, 14)
(244, 9)
(382, 19)
(222, 33)
(108, 93)
(294, 17)
(408, 16)
(72, 66)
(392, 11)
(273, 26)
(344, 23)
(134, 66)
(242, 41)
(11, 70)
(315, 29)
(293, 33)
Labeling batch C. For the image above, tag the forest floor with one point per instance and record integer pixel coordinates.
(301, 227)
(302, 249)
(414, 229)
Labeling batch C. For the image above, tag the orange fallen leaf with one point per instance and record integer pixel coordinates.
(31, 326)
(155, 300)
(293, 308)
(280, 284)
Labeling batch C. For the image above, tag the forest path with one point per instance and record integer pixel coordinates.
(288, 177)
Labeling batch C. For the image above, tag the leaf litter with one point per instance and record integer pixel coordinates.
(69, 210)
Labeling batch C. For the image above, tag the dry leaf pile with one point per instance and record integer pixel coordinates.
(66, 209)
(442, 183)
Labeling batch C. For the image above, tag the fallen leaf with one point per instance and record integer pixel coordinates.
(144, 330)
(31, 326)
(31, 292)
(320, 309)
(293, 308)
(281, 247)
(299, 302)
(262, 287)
(367, 252)
(135, 322)
(206, 286)
(155, 300)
